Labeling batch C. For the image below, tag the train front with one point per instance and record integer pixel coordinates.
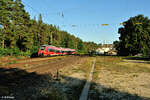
(42, 51)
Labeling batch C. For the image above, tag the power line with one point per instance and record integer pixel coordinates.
(73, 25)
(31, 8)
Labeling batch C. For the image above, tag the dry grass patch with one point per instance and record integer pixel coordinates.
(73, 78)
(118, 80)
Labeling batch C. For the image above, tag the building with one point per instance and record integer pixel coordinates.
(106, 48)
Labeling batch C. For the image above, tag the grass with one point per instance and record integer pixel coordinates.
(72, 81)
(116, 64)
(114, 79)
(20, 57)
(54, 95)
(86, 67)
(75, 70)
(1, 64)
(12, 62)
(75, 91)
(26, 65)
(4, 60)
(138, 57)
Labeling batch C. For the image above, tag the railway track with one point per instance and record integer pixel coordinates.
(10, 75)
(23, 81)
(16, 71)
(28, 61)
(20, 80)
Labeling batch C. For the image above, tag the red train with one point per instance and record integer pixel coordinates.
(49, 50)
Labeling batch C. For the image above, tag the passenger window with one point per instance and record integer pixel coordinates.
(51, 50)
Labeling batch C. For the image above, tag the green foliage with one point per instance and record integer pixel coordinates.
(6, 51)
(26, 53)
(116, 45)
(12, 62)
(34, 49)
(15, 51)
(134, 36)
(80, 45)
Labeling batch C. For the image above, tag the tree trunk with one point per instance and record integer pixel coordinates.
(51, 38)
(3, 42)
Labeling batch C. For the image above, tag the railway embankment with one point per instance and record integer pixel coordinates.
(58, 79)
(63, 78)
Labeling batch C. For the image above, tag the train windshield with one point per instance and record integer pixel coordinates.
(42, 47)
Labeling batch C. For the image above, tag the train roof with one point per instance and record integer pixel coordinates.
(59, 48)
(48, 45)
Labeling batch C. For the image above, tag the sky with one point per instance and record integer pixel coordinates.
(87, 16)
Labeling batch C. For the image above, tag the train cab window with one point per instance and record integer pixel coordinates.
(42, 47)
(51, 50)
(48, 49)
(57, 51)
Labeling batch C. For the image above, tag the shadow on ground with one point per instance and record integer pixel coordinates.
(22, 85)
(145, 60)
(138, 58)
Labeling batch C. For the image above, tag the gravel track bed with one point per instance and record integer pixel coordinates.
(32, 61)
(35, 81)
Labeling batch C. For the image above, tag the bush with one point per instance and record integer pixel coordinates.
(34, 51)
(17, 52)
(5, 51)
(13, 52)
(9, 52)
(27, 53)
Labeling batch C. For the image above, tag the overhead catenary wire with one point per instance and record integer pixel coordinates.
(43, 14)
(94, 25)
(62, 15)
(32, 8)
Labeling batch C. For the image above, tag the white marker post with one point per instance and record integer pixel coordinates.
(84, 94)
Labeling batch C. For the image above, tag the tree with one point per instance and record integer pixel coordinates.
(40, 22)
(80, 45)
(19, 32)
(5, 17)
(134, 36)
